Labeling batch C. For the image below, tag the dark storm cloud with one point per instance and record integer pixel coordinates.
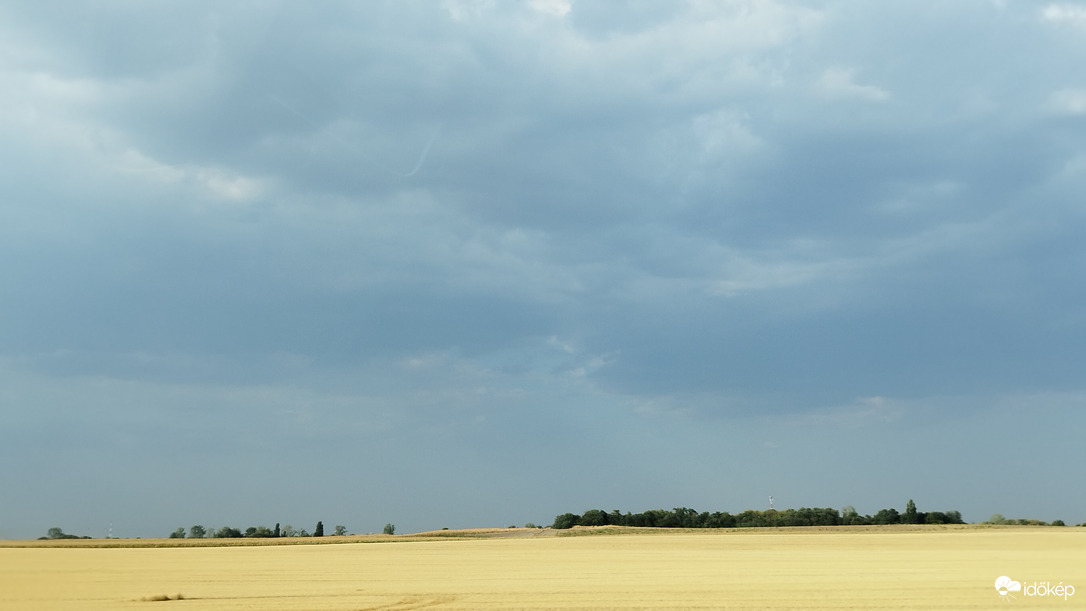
(504, 232)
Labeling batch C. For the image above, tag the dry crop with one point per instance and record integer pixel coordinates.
(839, 568)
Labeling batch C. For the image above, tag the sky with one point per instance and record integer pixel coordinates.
(469, 263)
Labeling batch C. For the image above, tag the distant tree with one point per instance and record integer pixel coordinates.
(652, 517)
(566, 520)
(886, 516)
(749, 518)
(720, 520)
(179, 533)
(56, 533)
(227, 532)
(275, 533)
(288, 531)
(665, 518)
(340, 531)
(264, 532)
(530, 525)
(910, 516)
(197, 532)
(826, 516)
(686, 517)
(593, 517)
(997, 518)
(940, 517)
(319, 530)
(1058, 523)
(303, 533)
(390, 529)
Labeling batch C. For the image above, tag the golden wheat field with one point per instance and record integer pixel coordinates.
(837, 568)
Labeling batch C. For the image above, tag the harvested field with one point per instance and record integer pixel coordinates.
(834, 568)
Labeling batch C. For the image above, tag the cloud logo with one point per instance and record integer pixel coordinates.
(1005, 585)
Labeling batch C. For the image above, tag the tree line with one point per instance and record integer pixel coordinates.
(683, 517)
(198, 531)
(58, 533)
(999, 520)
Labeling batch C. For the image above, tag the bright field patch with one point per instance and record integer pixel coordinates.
(750, 569)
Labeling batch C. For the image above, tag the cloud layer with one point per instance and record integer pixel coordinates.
(455, 264)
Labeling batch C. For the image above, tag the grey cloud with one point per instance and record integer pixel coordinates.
(517, 237)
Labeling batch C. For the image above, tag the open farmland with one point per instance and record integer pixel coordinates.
(829, 568)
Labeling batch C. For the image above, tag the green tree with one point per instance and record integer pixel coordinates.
(886, 516)
(227, 532)
(258, 532)
(686, 517)
(593, 517)
(319, 530)
(720, 520)
(566, 520)
(340, 531)
(750, 518)
(938, 517)
(197, 531)
(390, 529)
(179, 533)
(288, 531)
(910, 516)
(57, 533)
(275, 533)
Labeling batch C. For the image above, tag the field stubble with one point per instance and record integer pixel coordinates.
(736, 569)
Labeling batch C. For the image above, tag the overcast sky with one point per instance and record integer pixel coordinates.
(467, 263)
